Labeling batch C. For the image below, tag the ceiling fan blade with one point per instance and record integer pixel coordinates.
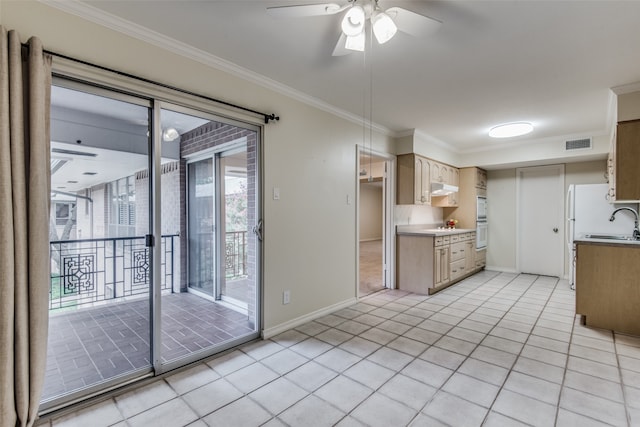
(340, 49)
(296, 11)
(413, 23)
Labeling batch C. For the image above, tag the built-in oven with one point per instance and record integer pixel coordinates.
(481, 208)
(481, 234)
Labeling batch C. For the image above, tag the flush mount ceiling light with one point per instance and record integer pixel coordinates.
(510, 130)
(170, 134)
(383, 23)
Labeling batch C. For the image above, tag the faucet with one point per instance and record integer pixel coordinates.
(636, 231)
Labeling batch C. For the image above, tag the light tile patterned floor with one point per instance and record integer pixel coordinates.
(495, 350)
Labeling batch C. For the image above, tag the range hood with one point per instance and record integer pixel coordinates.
(441, 189)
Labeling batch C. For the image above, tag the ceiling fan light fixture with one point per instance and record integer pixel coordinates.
(383, 26)
(510, 130)
(353, 21)
(356, 42)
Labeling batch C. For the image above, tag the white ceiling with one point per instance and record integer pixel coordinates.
(549, 62)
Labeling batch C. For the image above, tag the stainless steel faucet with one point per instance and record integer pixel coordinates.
(636, 232)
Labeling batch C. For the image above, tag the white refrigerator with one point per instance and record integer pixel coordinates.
(588, 212)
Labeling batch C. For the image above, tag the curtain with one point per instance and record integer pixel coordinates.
(25, 92)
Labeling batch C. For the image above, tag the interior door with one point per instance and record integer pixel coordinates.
(540, 223)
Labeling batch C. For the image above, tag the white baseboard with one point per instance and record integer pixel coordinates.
(501, 269)
(290, 324)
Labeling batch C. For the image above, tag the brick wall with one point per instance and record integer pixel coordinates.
(207, 136)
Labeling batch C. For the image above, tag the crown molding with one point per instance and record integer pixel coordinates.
(628, 88)
(131, 29)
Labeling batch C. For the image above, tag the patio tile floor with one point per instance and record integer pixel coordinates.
(92, 345)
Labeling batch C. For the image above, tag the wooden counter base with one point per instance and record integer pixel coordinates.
(608, 286)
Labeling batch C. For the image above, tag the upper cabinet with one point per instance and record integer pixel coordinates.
(481, 179)
(415, 175)
(472, 183)
(623, 171)
(412, 185)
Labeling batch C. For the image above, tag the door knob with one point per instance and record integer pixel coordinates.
(555, 229)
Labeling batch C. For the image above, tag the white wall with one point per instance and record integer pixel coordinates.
(371, 210)
(310, 235)
(501, 194)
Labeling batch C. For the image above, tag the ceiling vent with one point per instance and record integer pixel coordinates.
(577, 144)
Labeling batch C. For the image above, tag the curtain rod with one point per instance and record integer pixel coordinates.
(267, 117)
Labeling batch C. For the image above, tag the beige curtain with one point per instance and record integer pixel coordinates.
(25, 91)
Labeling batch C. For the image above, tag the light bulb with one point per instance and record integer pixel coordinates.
(356, 42)
(170, 134)
(383, 26)
(353, 21)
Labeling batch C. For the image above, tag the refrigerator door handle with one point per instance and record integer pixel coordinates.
(570, 218)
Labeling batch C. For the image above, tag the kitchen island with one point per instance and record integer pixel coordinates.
(430, 259)
(608, 284)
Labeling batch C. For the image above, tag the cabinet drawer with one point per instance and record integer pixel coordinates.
(458, 251)
(441, 240)
(455, 238)
(457, 269)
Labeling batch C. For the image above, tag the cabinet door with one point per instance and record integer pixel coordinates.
(454, 176)
(481, 179)
(441, 266)
(470, 264)
(425, 183)
(417, 181)
(626, 154)
(444, 174)
(435, 172)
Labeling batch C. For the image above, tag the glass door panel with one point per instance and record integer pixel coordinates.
(99, 294)
(233, 286)
(207, 208)
(201, 221)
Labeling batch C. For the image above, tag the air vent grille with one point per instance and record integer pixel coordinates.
(577, 144)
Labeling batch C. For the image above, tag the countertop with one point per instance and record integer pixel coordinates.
(429, 231)
(609, 242)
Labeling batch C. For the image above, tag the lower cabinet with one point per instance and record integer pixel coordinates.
(607, 291)
(427, 264)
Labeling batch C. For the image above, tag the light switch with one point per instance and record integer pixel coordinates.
(276, 193)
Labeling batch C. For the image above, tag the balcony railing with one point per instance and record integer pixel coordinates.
(235, 252)
(91, 271)
(94, 271)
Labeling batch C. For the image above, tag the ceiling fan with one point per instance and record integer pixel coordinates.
(383, 23)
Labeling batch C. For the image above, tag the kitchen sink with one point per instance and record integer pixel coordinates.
(607, 237)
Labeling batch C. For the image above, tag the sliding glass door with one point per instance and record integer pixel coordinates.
(100, 288)
(215, 220)
(154, 251)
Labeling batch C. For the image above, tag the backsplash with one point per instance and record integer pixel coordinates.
(415, 214)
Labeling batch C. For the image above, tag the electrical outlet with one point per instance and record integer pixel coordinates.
(286, 297)
(276, 193)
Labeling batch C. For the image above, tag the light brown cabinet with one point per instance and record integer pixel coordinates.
(412, 186)
(415, 175)
(427, 264)
(481, 178)
(441, 261)
(447, 175)
(607, 286)
(624, 174)
(472, 183)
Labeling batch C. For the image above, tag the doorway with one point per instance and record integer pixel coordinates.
(540, 223)
(375, 232)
